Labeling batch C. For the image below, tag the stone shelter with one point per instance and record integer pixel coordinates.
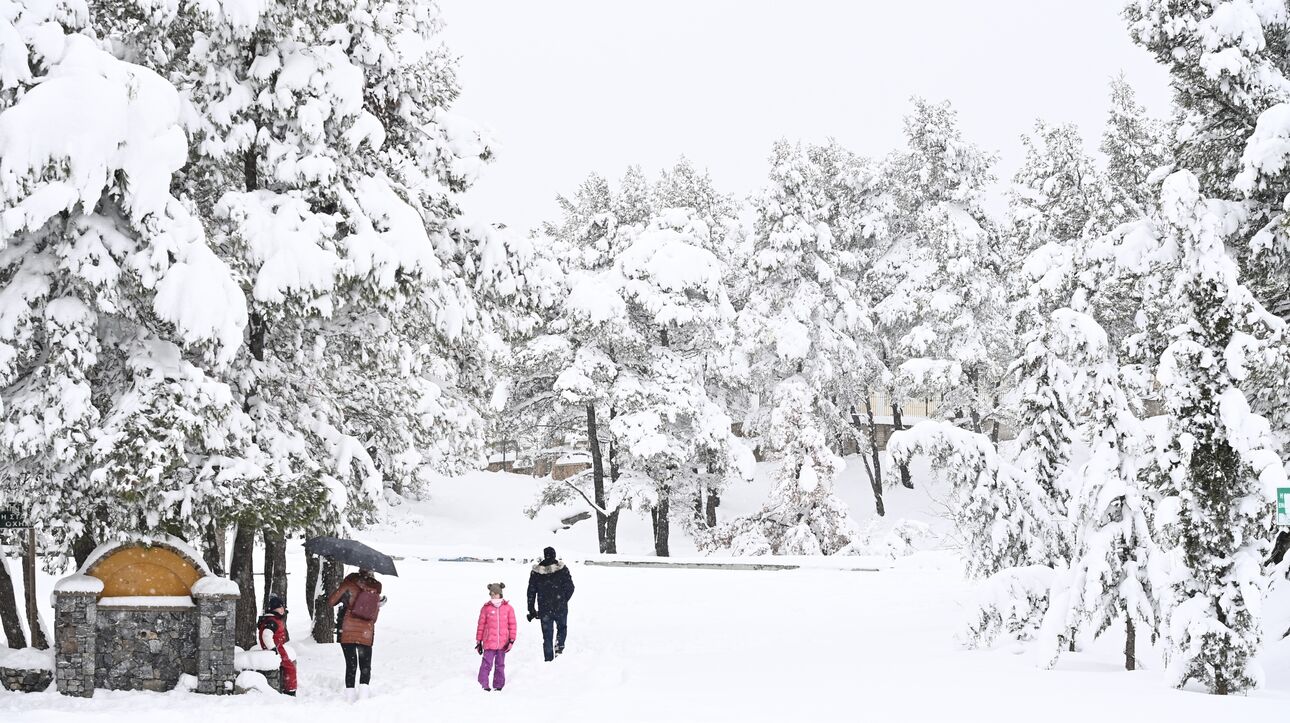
(144, 615)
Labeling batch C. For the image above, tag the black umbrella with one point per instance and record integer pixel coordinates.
(351, 552)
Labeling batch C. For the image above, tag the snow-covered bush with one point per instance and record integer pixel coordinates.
(1011, 604)
(1002, 517)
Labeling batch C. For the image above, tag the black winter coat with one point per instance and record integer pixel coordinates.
(550, 588)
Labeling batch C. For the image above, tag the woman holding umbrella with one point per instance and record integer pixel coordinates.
(361, 593)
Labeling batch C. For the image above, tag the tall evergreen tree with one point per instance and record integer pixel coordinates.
(943, 305)
(636, 342)
(1111, 573)
(1229, 64)
(806, 332)
(1219, 465)
(327, 165)
(1136, 146)
(118, 320)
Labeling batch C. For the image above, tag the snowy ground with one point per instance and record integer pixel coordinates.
(683, 645)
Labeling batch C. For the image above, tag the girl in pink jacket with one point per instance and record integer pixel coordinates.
(494, 636)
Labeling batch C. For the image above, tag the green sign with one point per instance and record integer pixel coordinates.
(1283, 506)
(11, 516)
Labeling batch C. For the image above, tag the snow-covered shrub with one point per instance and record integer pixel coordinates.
(1003, 518)
(1011, 604)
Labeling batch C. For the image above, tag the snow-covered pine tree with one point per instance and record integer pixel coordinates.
(859, 208)
(1045, 416)
(1229, 64)
(1054, 208)
(943, 308)
(324, 156)
(724, 368)
(1264, 181)
(666, 426)
(638, 337)
(118, 320)
(1110, 576)
(558, 380)
(1058, 195)
(1218, 462)
(808, 338)
(1136, 146)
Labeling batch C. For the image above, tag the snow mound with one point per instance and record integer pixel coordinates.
(249, 680)
(79, 583)
(26, 659)
(212, 585)
(255, 660)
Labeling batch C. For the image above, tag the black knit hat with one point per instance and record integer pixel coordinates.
(548, 553)
(275, 602)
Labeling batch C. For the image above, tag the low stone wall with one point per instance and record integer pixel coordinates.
(25, 681)
(144, 648)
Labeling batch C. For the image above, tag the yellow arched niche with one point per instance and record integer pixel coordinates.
(145, 572)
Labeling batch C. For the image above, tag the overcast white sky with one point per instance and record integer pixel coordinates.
(572, 86)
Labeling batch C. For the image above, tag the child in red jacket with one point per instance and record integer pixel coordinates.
(494, 636)
(272, 629)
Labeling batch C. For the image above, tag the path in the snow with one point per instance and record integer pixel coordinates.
(690, 645)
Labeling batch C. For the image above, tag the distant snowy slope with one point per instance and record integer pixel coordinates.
(481, 514)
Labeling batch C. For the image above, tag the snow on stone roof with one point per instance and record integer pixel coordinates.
(146, 601)
(79, 583)
(212, 585)
(575, 458)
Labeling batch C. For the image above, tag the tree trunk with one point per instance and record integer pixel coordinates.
(242, 570)
(313, 568)
(275, 565)
(611, 533)
(875, 479)
(611, 524)
(897, 424)
(213, 541)
(324, 614)
(713, 500)
(82, 547)
(662, 526)
(9, 617)
(37, 631)
(1130, 662)
(597, 476)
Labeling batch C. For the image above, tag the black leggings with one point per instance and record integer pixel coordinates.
(360, 657)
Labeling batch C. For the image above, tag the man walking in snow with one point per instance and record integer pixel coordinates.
(550, 588)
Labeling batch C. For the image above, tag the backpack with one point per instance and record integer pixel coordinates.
(366, 605)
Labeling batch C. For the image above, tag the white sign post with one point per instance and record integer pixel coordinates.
(1283, 506)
